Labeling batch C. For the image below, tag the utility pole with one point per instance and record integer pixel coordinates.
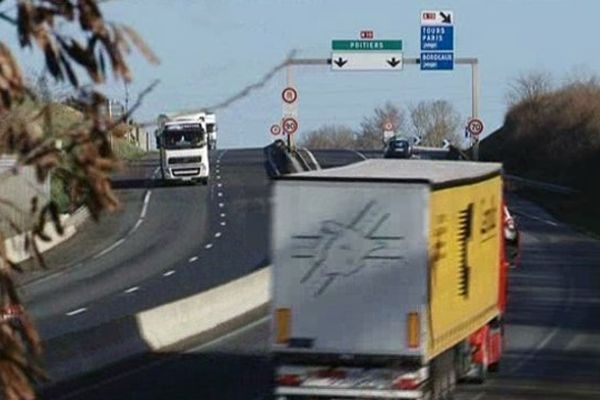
(289, 83)
(475, 103)
(126, 98)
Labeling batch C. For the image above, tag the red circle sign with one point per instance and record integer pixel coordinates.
(475, 127)
(388, 126)
(275, 130)
(290, 125)
(289, 95)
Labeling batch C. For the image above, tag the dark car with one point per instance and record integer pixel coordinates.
(398, 148)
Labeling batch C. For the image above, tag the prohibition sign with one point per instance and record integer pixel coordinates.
(289, 95)
(290, 125)
(275, 130)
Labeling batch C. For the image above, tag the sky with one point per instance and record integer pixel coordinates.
(212, 49)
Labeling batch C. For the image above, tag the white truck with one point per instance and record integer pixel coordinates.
(183, 144)
(389, 279)
(211, 130)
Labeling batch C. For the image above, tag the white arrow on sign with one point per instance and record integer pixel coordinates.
(366, 61)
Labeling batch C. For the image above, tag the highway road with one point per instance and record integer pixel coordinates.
(168, 243)
(553, 340)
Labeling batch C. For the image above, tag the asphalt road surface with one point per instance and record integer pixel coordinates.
(168, 243)
(553, 332)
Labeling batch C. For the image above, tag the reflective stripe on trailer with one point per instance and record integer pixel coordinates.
(350, 393)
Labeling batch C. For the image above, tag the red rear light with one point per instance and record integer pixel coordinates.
(289, 380)
(406, 383)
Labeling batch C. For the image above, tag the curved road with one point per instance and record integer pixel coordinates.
(553, 340)
(173, 242)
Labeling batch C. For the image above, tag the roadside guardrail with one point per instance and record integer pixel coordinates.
(550, 187)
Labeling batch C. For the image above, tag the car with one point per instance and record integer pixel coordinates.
(398, 148)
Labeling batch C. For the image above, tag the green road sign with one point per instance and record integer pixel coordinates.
(366, 45)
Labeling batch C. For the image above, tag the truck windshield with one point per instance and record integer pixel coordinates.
(183, 138)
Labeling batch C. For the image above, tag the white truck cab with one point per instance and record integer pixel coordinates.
(183, 145)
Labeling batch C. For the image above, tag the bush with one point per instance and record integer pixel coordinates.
(553, 137)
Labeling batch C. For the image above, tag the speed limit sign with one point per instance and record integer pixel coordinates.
(475, 127)
(290, 125)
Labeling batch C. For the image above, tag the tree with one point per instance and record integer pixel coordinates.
(529, 87)
(434, 121)
(330, 137)
(78, 44)
(371, 134)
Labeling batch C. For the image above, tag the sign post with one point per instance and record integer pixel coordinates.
(289, 95)
(388, 131)
(475, 128)
(290, 125)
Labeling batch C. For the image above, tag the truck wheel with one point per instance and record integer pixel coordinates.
(495, 367)
(482, 369)
(443, 375)
(205, 181)
(481, 374)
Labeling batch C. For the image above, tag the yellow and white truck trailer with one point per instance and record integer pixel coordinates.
(388, 279)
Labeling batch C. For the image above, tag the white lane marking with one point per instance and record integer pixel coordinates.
(132, 289)
(533, 217)
(75, 312)
(218, 176)
(219, 185)
(223, 223)
(536, 350)
(146, 202)
(208, 246)
(221, 205)
(223, 215)
(361, 155)
(222, 154)
(135, 227)
(169, 272)
(549, 336)
(193, 259)
(218, 234)
(220, 194)
(110, 248)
